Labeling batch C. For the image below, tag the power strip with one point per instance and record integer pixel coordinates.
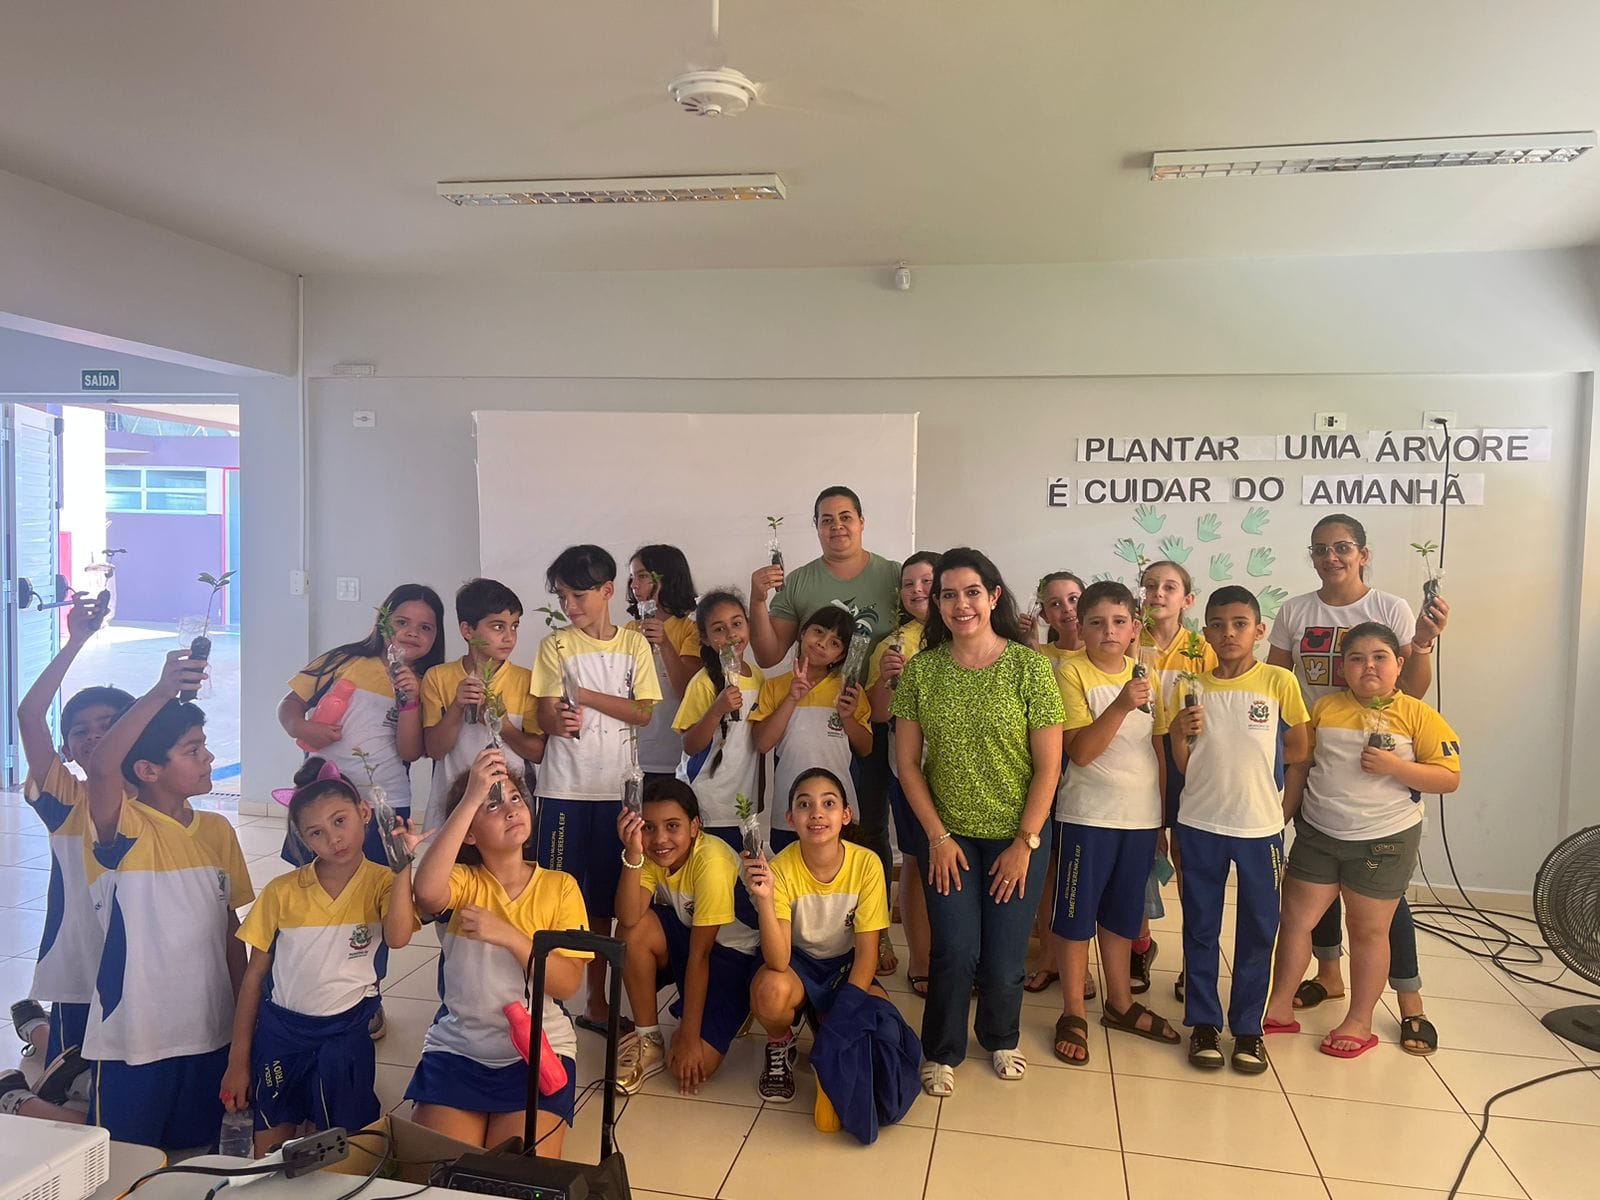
(303, 1155)
(515, 1177)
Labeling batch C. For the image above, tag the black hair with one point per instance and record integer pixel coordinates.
(156, 740)
(480, 598)
(1356, 528)
(921, 556)
(712, 659)
(327, 665)
(835, 620)
(828, 493)
(675, 592)
(1107, 591)
(581, 568)
(1002, 618)
(93, 697)
(1233, 594)
(471, 856)
(308, 789)
(819, 773)
(1057, 577)
(1371, 629)
(670, 790)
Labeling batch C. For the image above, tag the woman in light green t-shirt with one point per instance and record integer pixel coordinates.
(989, 713)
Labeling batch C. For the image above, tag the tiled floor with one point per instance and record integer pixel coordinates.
(1137, 1122)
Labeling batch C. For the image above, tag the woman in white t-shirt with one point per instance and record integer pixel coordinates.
(1306, 635)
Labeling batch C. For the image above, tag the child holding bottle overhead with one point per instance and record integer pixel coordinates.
(1251, 725)
(810, 716)
(659, 584)
(720, 760)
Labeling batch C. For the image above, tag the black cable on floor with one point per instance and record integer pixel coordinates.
(1483, 1128)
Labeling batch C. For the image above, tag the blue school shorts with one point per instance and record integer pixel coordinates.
(821, 977)
(580, 838)
(908, 832)
(173, 1104)
(68, 1024)
(727, 989)
(317, 1069)
(1100, 880)
(456, 1081)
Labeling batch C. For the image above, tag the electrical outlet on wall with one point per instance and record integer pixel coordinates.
(1329, 422)
(1435, 417)
(346, 587)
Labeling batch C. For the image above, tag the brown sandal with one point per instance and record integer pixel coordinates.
(1128, 1022)
(1071, 1031)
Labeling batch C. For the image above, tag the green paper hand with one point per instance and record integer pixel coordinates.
(1260, 562)
(1148, 518)
(1221, 567)
(1192, 624)
(1176, 549)
(1209, 528)
(1102, 577)
(1255, 521)
(1127, 551)
(1271, 600)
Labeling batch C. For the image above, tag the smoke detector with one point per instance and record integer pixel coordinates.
(723, 92)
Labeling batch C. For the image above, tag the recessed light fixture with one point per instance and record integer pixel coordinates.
(1393, 155)
(648, 190)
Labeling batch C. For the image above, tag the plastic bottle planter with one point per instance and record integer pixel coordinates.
(774, 550)
(1375, 723)
(749, 824)
(732, 672)
(855, 658)
(1193, 693)
(898, 645)
(387, 818)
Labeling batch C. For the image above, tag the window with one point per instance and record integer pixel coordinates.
(163, 490)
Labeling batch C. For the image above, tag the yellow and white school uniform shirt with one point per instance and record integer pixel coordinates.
(1171, 663)
(1121, 788)
(1345, 802)
(700, 892)
(163, 989)
(511, 683)
(368, 725)
(718, 790)
(1059, 657)
(479, 979)
(69, 950)
(323, 947)
(660, 746)
(1234, 784)
(824, 918)
(815, 736)
(910, 637)
(592, 766)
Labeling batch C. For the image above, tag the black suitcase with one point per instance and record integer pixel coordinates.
(523, 1176)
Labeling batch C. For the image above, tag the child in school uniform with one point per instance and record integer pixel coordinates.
(1058, 597)
(613, 677)
(162, 1014)
(301, 1051)
(821, 907)
(810, 717)
(686, 920)
(1109, 810)
(720, 760)
(660, 574)
(454, 694)
(471, 1083)
(1252, 724)
(69, 952)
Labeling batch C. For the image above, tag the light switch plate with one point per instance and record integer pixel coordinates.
(347, 587)
(1329, 422)
(364, 418)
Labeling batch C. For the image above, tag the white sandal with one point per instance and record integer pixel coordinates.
(938, 1080)
(1010, 1064)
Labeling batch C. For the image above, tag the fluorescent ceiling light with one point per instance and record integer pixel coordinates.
(648, 190)
(1395, 155)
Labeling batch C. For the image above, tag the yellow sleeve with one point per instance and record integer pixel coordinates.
(434, 701)
(683, 636)
(697, 699)
(1433, 741)
(782, 900)
(570, 912)
(304, 684)
(1074, 698)
(260, 924)
(872, 904)
(547, 668)
(463, 886)
(863, 712)
(242, 890)
(713, 888)
(875, 663)
(771, 695)
(1291, 704)
(646, 686)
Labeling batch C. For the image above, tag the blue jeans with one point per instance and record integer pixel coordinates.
(1405, 975)
(977, 938)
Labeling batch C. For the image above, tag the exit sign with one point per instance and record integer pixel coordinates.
(102, 381)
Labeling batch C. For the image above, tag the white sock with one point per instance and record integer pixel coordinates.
(653, 1032)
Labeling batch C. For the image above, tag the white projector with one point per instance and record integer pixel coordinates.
(47, 1160)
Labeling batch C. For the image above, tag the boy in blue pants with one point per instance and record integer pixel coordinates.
(1252, 725)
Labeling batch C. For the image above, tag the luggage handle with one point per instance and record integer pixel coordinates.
(611, 949)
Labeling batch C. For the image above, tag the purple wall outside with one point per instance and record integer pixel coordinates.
(156, 581)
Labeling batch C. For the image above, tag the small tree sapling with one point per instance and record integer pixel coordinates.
(1375, 723)
(774, 550)
(749, 824)
(1431, 575)
(200, 644)
(1190, 686)
(384, 814)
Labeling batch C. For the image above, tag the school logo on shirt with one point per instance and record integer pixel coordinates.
(850, 919)
(222, 886)
(835, 722)
(360, 938)
(1260, 714)
(1450, 749)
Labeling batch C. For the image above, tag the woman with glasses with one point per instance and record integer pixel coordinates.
(1306, 636)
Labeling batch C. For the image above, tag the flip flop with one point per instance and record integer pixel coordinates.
(1418, 1029)
(1311, 993)
(1074, 1031)
(1328, 1048)
(1043, 973)
(1271, 1026)
(919, 984)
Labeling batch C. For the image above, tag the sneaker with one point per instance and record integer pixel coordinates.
(377, 1026)
(27, 1016)
(1205, 1048)
(1177, 986)
(1250, 1054)
(56, 1084)
(776, 1083)
(1139, 967)
(13, 1091)
(638, 1058)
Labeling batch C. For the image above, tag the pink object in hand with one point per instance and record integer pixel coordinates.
(331, 708)
(552, 1071)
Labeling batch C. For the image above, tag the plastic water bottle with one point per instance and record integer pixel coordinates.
(236, 1138)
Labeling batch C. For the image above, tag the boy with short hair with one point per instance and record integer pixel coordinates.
(488, 613)
(162, 1015)
(1252, 725)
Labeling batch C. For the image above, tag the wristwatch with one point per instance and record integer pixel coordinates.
(1031, 838)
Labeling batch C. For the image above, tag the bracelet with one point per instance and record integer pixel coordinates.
(940, 840)
(632, 866)
(408, 706)
(1428, 649)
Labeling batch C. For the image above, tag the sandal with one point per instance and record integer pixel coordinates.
(1128, 1022)
(1418, 1029)
(888, 964)
(937, 1079)
(919, 984)
(1311, 993)
(1010, 1065)
(1072, 1031)
(1040, 980)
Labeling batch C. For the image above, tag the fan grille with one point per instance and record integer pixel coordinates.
(1566, 902)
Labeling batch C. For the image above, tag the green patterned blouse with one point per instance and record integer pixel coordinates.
(975, 725)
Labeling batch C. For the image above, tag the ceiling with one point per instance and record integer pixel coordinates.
(309, 135)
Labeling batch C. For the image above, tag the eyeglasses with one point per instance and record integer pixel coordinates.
(514, 800)
(1342, 549)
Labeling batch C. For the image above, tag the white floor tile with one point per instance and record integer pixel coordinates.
(1209, 1122)
(1411, 1147)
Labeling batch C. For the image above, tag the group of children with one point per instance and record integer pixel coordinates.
(1183, 751)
